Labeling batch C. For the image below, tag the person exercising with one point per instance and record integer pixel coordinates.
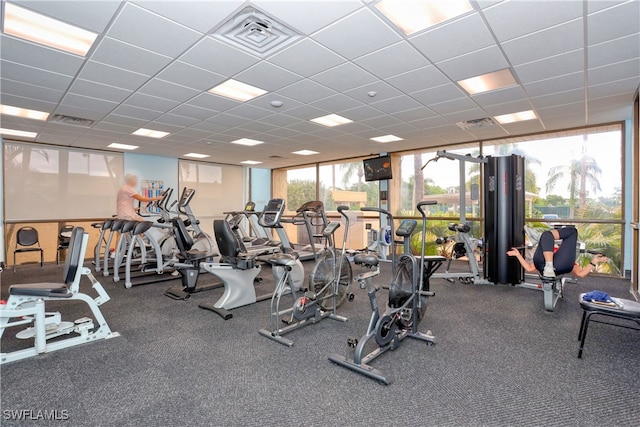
(127, 195)
(550, 260)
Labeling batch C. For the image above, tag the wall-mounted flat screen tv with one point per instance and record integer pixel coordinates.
(377, 169)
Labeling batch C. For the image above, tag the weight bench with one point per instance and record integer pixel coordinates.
(26, 305)
(624, 309)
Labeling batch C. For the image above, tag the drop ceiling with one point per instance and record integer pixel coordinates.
(575, 63)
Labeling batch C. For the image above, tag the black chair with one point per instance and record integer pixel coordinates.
(27, 241)
(64, 237)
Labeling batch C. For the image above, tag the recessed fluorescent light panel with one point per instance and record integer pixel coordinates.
(150, 133)
(246, 141)
(516, 117)
(305, 152)
(196, 155)
(122, 146)
(490, 81)
(237, 90)
(15, 132)
(23, 112)
(32, 26)
(250, 162)
(331, 120)
(386, 138)
(412, 16)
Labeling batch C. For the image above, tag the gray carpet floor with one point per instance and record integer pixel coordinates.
(500, 360)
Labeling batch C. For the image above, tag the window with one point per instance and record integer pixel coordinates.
(296, 186)
(344, 184)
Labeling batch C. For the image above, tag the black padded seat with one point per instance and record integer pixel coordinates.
(366, 259)
(128, 226)
(141, 226)
(282, 259)
(57, 290)
(117, 224)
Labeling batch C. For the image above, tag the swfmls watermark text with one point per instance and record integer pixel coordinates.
(35, 414)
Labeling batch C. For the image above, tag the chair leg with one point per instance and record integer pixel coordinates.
(14, 262)
(584, 315)
(41, 259)
(58, 257)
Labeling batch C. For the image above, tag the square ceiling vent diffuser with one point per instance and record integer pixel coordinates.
(256, 32)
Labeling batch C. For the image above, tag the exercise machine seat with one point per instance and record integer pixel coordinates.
(185, 241)
(141, 227)
(367, 260)
(117, 224)
(283, 260)
(56, 290)
(128, 226)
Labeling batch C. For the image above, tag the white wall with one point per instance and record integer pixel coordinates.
(2, 255)
(148, 167)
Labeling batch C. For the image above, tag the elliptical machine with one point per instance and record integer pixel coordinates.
(329, 284)
(408, 296)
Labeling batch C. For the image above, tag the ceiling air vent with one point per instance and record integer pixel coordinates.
(477, 123)
(70, 120)
(275, 157)
(256, 32)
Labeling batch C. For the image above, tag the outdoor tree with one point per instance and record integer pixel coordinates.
(582, 173)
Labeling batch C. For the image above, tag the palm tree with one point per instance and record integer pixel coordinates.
(348, 170)
(582, 172)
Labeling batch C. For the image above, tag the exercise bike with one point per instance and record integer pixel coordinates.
(408, 296)
(329, 286)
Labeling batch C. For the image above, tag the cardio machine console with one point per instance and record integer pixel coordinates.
(272, 213)
(406, 228)
(330, 229)
(187, 195)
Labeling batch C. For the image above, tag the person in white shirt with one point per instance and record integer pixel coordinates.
(127, 195)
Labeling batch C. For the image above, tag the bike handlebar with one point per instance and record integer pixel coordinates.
(425, 203)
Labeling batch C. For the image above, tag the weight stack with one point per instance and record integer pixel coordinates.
(504, 212)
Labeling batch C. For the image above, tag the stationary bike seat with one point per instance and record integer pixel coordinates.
(366, 259)
(282, 259)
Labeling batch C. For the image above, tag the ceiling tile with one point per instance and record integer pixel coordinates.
(395, 105)
(176, 120)
(80, 112)
(93, 16)
(460, 116)
(317, 58)
(364, 27)
(209, 126)
(438, 94)
(213, 102)
(382, 91)
(453, 106)
(364, 112)
(219, 58)
(395, 59)
(500, 96)
(84, 102)
(193, 112)
(444, 42)
(111, 76)
(551, 67)
(187, 75)
(474, 64)
(308, 16)
(618, 71)
(556, 84)
(257, 127)
(123, 121)
(97, 90)
(265, 100)
(420, 79)
(151, 102)
(344, 77)
(33, 76)
(430, 122)
(613, 23)
(136, 112)
(279, 120)
(511, 19)
(561, 110)
(614, 88)
(202, 16)
(250, 112)
(306, 112)
(381, 121)
(414, 114)
(559, 98)
(163, 89)
(508, 107)
(306, 91)
(552, 41)
(267, 76)
(37, 56)
(336, 103)
(12, 87)
(167, 38)
(128, 57)
(228, 120)
(30, 103)
(614, 51)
